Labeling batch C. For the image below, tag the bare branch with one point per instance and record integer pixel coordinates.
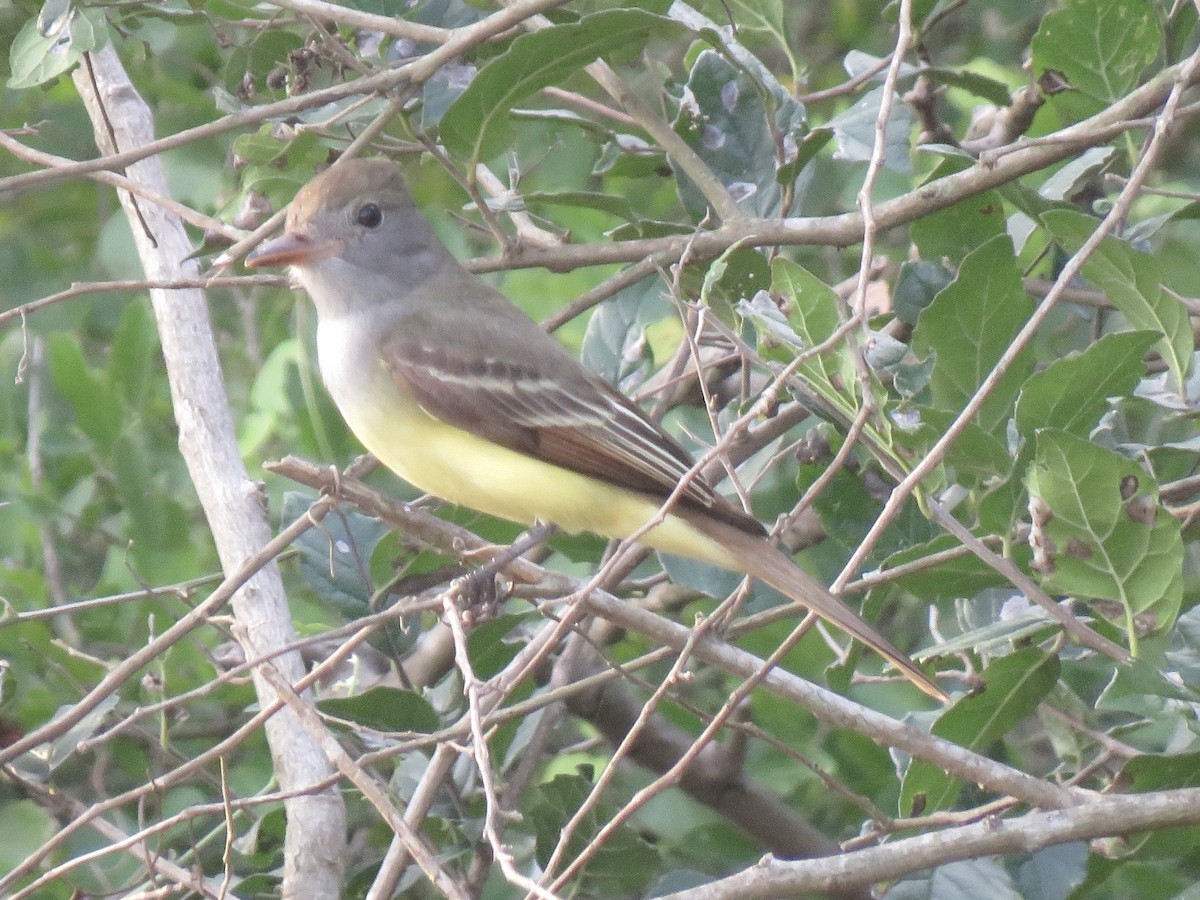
(1100, 817)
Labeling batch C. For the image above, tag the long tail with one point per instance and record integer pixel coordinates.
(762, 560)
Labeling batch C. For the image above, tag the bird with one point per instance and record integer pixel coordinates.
(459, 392)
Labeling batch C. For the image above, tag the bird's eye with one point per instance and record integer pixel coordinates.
(369, 216)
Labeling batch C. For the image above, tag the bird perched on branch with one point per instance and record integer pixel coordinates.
(459, 392)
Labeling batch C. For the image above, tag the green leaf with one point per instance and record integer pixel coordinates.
(724, 39)
(385, 709)
(487, 647)
(989, 89)
(271, 403)
(800, 313)
(609, 203)
(155, 520)
(713, 581)
(260, 148)
(983, 877)
(738, 127)
(253, 61)
(1071, 394)
(854, 131)
(1142, 424)
(811, 305)
(1052, 873)
(774, 330)
(1133, 282)
(766, 16)
(1099, 531)
(335, 556)
(1099, 47)
(890, 357)
(848, 509)
(134, 350)
(963, 576)
(47, 47)
(66, 745)
(1183, 659)
(627, 156)
(957, 230)
(1013, 687)
(476, 126)
(1159, 772)
(1076, 174)
(809, 316)
(996, 637)
(917, 284)
(438, 13)
(98, 412)
(277, 161)
(565, 118)
(615, 344)
(441, 89)
(739, 272)
(969, 325)
(624, 865)
(974, 454)
(810, 145)
(1141, 687)
(26, 827)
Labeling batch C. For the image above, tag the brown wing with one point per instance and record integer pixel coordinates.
(554, 410)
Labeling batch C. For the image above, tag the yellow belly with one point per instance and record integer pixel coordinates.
(457, 466)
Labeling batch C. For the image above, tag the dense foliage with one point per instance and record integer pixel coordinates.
(921, 271)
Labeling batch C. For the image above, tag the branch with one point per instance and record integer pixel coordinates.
(415, 72)
(821, 703)
(138, 846)
(82, 288)
(846, 229)
(1181, 77)
(613, 709)
(122, 671)
(207, 439)
(356, 18)
(1101, 817)
(372, 789)
(185, 212)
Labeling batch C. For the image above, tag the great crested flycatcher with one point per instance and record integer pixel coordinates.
(460, 393)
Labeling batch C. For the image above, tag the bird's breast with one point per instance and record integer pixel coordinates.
(430, 454)
(377, 411)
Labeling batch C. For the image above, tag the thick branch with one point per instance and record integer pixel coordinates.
(314, 857)
(1103, 817)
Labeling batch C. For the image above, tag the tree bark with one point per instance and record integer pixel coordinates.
(315, 839)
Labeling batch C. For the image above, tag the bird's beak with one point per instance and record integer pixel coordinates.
(291, 250)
